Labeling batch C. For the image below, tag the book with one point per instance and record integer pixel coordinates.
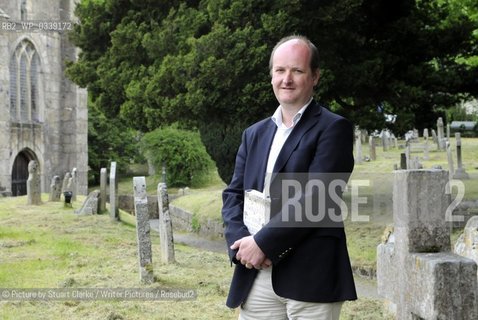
(257, 208)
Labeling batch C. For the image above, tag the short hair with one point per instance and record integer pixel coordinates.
(314, 52)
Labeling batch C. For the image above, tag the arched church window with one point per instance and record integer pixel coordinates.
(24, 81)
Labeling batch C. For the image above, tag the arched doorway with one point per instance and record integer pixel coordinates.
(20, 173)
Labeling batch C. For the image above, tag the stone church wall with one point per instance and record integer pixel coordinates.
(57, 137)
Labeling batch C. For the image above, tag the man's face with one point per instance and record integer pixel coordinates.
(292, 79)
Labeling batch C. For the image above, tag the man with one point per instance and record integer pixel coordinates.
(289, 271)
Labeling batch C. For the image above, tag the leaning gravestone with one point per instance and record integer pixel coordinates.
(143, 230)
(165, 225)
(55, 189)
(90, 206)
(416, 272)
(33, 183)
(114, 211)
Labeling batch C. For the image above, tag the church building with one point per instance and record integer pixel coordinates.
(43, 115)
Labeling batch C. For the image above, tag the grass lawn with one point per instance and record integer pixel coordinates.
(48, 246)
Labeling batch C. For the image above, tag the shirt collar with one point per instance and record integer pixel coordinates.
(277, 116)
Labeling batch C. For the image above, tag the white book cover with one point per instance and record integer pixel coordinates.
(257, 208)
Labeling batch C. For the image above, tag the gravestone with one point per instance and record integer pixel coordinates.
(435, 138)
(74, 183)
(103, 182)
(66, 185)
(416, 272)
(55, 189)
(467, 243)
(165, 225)
(426, 154)
(90, 206)
(143, 230)
(33, 183)
(451, 167)
(358, 146)
(385, 140)
(403, 161)
(448, 132)
(114, 211)
(460, 172)
(441, 134)
(372, 149)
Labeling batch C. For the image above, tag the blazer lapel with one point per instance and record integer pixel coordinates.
(308, 120)
(264, 142)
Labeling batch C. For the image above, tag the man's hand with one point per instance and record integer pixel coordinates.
(250, 254)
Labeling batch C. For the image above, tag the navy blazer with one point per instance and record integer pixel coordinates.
(309, 264)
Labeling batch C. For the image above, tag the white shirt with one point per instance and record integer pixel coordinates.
(280, 138)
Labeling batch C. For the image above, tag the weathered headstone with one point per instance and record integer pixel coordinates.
(416, 272)
(33, 183)
(90, 206)
(74, 183)
(55, 189)
(451, 167)
(372, 149)
(426, 154)
(143, 230)
(103, 182)
(165, 225)
(358, 146)
(114, 211)
(435, 138)
(467, 243)
(460, 172)
(441, 134)
(408, 154)
(448, 132)
(385, 141)
(403, 161)
(66, 185)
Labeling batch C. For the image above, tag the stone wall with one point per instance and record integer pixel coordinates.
(57, 139)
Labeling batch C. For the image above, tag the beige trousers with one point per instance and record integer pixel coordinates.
(263, 303)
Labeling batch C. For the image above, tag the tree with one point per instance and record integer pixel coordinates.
(204, 63)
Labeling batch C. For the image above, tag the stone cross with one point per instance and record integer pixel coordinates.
(33, 183)
(114, 212)
(460, 172)
(143, 230)
(55, 189)
(372, 149)
(451, 167)
(103, 182)
(358, 145)
(416, 272)
(165, 225)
